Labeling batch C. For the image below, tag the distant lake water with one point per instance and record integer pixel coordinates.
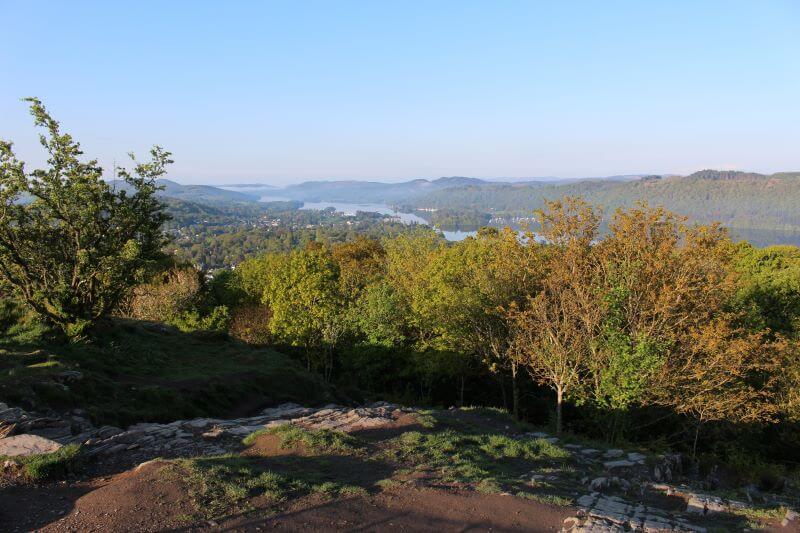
(382, 209)
(352, 209)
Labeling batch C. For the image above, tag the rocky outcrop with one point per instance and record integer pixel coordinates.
(23, 445)
(600, 513)
(184, 438)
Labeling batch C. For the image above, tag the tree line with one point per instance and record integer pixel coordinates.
(653, 314)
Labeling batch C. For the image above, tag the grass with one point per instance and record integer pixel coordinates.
(324, 440)
(135, 371)
(49, 466)
(219, 484)
(473, 458)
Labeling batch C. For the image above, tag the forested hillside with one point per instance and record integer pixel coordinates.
(739, 200)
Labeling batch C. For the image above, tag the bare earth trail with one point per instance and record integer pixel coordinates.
(376, 468)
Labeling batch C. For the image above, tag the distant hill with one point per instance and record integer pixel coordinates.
(204, 194)
(740, 200)
(372, 191)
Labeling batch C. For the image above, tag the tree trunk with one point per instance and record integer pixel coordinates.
(696, 436)
(514, 391)
(501, 378)
(559, 401)
(461, 394)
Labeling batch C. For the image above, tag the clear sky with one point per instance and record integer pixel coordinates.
(286, 91)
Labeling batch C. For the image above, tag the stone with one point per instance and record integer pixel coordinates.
(108, 431)
(636, 457)
(116, 448)
(619, 463)
(589, 451)
(538, 435)
(12, 414)
(26, 444)
(613, 454)
(598, 484)
(704, 504)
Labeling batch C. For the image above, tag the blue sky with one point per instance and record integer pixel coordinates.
(286, 91)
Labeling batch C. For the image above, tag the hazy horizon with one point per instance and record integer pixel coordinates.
(283, 93)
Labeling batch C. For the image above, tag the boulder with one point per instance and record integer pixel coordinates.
(23, 445)
(619, 463)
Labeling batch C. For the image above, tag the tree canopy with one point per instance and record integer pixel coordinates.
(70, 245)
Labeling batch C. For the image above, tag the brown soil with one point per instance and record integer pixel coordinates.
(410, 509)
(149, 499)
(142, 499)
(270, 446)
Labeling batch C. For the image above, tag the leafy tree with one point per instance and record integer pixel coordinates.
(724, 373)
(463, 291)
(658, 278)
(70, 245)
(303, 294)
(361, 261)
(553, 333)
(770, 287)
(377, 315)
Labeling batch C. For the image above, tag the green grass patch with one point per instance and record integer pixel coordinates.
(224, 484)
(474, 458)
(320, 440)
(50, 466)
(548, 499)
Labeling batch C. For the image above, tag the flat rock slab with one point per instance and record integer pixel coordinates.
(22, 445)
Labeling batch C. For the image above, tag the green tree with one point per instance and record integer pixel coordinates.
(307, 306)
(769, 287)
(70, 245)
(378, 316)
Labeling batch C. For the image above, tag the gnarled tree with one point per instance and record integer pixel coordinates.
(70, 245)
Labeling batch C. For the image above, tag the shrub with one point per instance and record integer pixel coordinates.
(169, 295)
(250, 324)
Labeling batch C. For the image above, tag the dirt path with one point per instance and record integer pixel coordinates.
(145, 500)
(415, 510)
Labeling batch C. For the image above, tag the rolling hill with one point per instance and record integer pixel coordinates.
(740, 200)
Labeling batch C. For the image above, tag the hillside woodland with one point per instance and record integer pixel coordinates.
(653, 332)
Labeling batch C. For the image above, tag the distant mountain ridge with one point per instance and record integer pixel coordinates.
(203, 194)
(742, 201)
(739, 200)
(353, 191)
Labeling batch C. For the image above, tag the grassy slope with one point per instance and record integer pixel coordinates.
(145, 372)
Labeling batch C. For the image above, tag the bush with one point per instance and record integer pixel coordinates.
(169, 295)
(250, 324)
(215, 321)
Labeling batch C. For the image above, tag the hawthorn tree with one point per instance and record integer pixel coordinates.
(70, 245)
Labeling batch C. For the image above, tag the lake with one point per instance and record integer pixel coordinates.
(383, 209)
